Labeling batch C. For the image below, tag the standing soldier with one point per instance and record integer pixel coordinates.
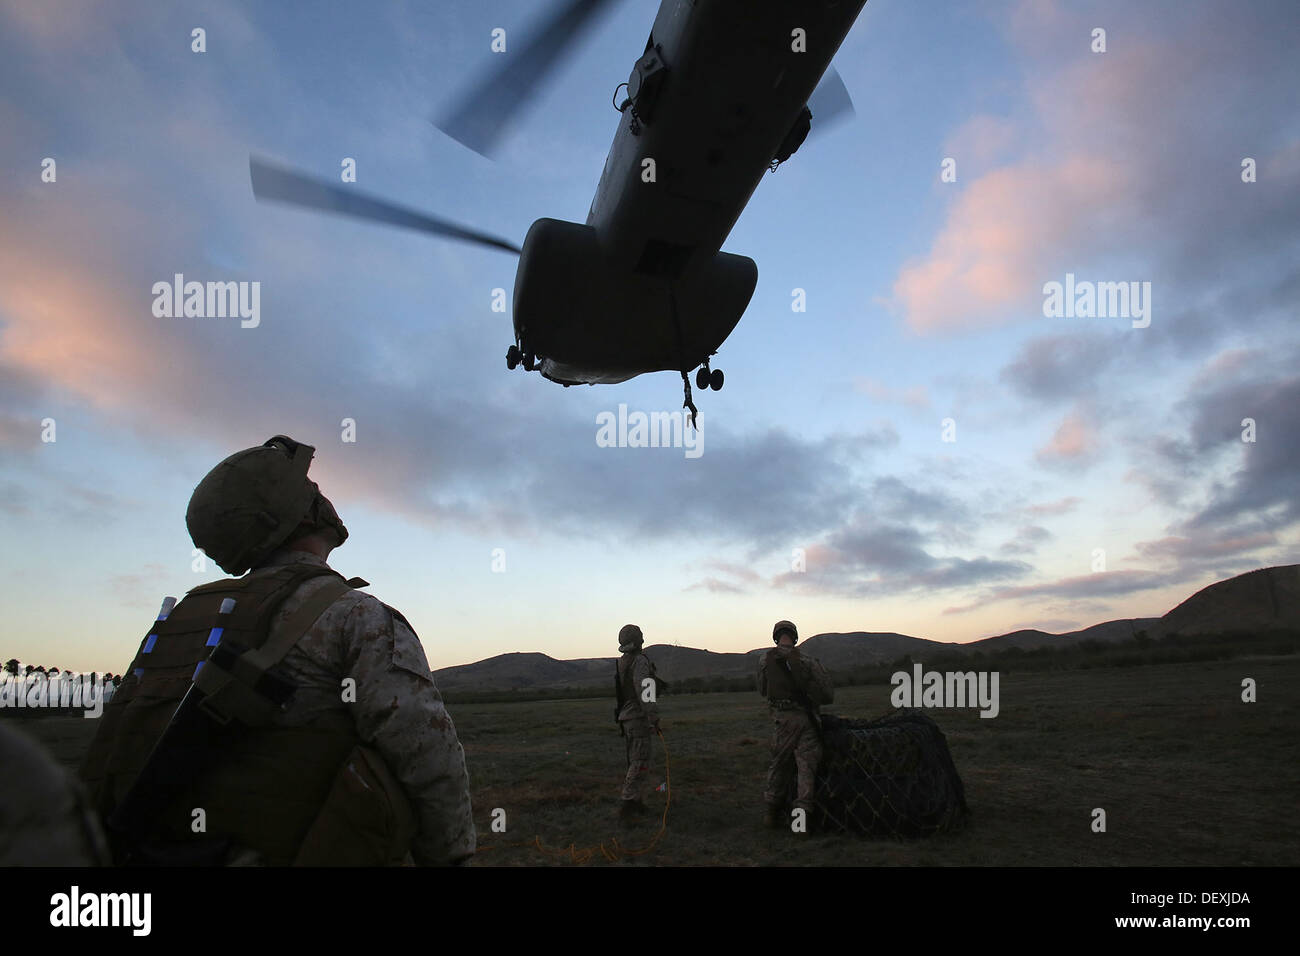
(311, 731)
(794, 687)
(638, 713)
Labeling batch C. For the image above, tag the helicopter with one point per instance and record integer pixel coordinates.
(724, 91)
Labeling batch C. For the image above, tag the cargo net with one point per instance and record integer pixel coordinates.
(892, 776)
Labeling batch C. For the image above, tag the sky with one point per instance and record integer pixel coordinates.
(921, 450)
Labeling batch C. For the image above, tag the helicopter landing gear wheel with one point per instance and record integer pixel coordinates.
(530, 362)
(716, 379)
(702, 377)
(513, 357)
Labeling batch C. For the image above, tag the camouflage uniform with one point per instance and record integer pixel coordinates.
(398, 709)
(637, 718)
(258, 510)
(796, 738)
(44, 817)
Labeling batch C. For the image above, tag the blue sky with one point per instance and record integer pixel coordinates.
(924, 303)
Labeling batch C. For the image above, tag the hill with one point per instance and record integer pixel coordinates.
(523, 671)
(862, 648)
(1262, 600)
(1266, 599)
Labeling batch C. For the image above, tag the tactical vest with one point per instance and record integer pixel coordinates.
(269, 788)
(779, 684)
(624, 685)
(624, 669)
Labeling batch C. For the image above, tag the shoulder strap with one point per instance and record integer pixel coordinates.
(298, 624)
(232, 693)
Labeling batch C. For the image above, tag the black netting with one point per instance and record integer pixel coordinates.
(892, 776)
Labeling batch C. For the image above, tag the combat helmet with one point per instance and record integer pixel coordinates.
(629, 638)
(784, 626)
(254, 501)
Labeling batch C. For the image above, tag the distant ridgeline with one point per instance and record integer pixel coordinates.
(1251, 614)
(1257, 613)
(1142, 649)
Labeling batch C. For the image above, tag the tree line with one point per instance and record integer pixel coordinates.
(15, 668)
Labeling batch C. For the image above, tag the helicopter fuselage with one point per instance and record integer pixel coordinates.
(642, 286)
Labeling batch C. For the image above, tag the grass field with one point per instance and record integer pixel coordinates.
(1187, 773)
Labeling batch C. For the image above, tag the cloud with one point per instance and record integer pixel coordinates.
(1265, 480)
(872, 558)
(1058, 367)
(983, 140)
(15, 499)
(1073, 444)
(739, 571)
(1098, 584)
(1234, 501)
(716, 586)
(990, 260)
(388, 330)
(1052, 508)
(435, 445)
(1074, 199)
(892, 497)
(1228, 366)
(1027, 540)
(743, 578)
(1205, 549)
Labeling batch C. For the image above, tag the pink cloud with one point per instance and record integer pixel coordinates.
(1002, 239)
(70, 328)
(1075, 441)
(1072, 190)
(982, 141)
(1099, 584)
(1215, 546)
(1227, 365)
(1063, 506)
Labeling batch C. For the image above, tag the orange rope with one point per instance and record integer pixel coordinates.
(612, 850)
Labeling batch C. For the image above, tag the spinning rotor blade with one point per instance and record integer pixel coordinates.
(283, 185)
(480, 117)
(830, 102)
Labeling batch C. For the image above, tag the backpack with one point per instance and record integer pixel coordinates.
(624, 691)
(192, 718)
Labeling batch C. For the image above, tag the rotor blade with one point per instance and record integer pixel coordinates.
(283, 185)
(481, 114)
(830, 102)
